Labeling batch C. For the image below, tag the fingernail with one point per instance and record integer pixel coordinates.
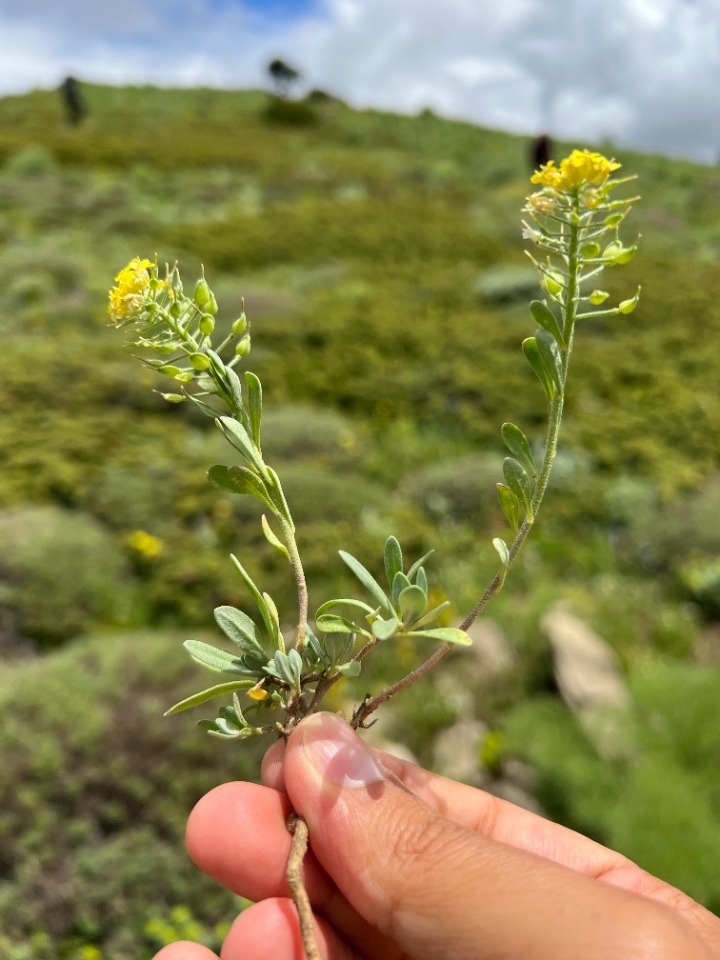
(338, 753)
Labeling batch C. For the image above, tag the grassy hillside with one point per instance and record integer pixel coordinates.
(381, 263)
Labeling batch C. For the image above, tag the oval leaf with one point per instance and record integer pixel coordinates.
(384, 629)
(502, 550)
(393, 559)
(239, 480)
(517, 443)
(519, 482)
(351, 669)
(238, 627)
(412, 603)
(213, 658)
(550, 356)
(545, 318)
(271, 538)
(532, 355)
(332, 623)
(509, 506)
(400, 583)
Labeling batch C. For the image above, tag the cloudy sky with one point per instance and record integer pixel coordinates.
(640, 73)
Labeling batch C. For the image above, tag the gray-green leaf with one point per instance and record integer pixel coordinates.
(393, 559)
(412, 603)
(368, 581)
(238, 627)
(519, 482)
(510, 506)
(236, 479)
(532, 355)
(517, 443)
(203, 695)
(254, 405)
(544, 317)
(213, 658)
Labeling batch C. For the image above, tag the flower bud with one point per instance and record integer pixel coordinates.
(207, 324)
(199, 361)
(240, 325)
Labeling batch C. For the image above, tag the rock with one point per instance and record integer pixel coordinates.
(456, 752)
(586, 669)
(489, 652)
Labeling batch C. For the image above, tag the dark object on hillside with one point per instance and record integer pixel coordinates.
(283, 77)
(540, 151)
(73, 100)
(292, 113)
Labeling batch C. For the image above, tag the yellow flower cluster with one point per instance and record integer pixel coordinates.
(131, 287)
(581, 168)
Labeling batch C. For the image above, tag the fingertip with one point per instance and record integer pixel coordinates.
(272, 770)
(185, 950)
(271, 929)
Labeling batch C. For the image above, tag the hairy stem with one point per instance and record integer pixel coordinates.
(300, 582)
(298, 828)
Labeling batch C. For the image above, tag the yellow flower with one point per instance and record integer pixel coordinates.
(132, 285)
(581, 168)
(145, 544)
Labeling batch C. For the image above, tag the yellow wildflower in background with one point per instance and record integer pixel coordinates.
(131, 286)
(581, 168)
(145, 544)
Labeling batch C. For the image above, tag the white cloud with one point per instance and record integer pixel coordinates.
(646, 74)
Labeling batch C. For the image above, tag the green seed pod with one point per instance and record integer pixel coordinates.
(169, 370)
(207, 324)
(199, 361)
(185, 376)
(202, 294)
(240, 325)
(243, 347)
(173, 397)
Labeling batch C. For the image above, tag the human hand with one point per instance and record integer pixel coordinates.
(406, 864)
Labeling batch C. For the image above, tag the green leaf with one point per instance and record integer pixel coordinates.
(254, 405)
(238, 627)
(444, 634)
(213, 658)
(257, 596)
(532, 355)
(518, 445)
(419, 563)
(271, 538)
(412, 602)
(209, 411)
(351, 669)
(287, 667)
(393, 559)
(550, 356)
(544, 317)
(344, 601)
(276, 635)
(282, 506)
(502, 551)
(421, 580)
(431, 615)
(519, 482)
(236, 434)
(368, 581)
(236, 479)
(333, 623)
(510, 506)
(216, 691)
(384, 629)
(400, 583)
(236, 397)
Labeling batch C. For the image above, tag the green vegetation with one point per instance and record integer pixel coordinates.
(382, 266)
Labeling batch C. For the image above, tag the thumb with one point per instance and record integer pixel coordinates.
(438, 889)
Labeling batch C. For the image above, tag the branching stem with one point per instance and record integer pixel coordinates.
(369, 705)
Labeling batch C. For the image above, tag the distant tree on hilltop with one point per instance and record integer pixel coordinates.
(283, 76)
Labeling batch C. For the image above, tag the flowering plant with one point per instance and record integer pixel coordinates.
(573, 220)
